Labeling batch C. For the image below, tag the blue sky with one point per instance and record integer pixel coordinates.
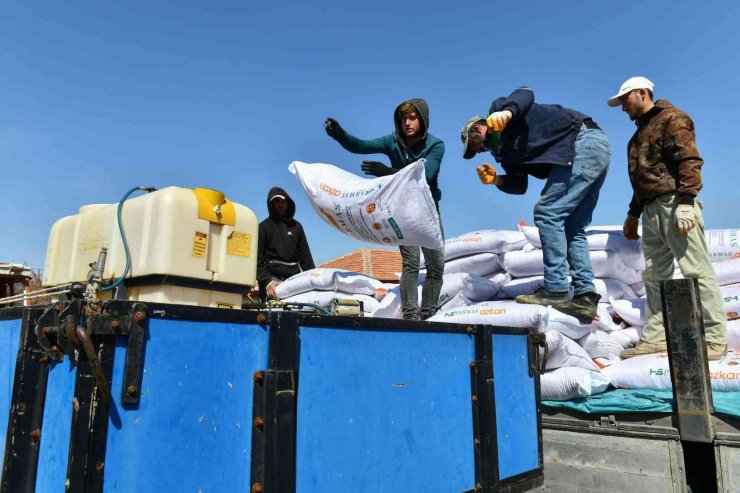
(97, 97)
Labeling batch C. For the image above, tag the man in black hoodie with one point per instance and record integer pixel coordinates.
(282, 246)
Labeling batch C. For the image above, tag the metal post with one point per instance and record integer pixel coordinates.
(687, 356)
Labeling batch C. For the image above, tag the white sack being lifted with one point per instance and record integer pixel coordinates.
(396, 209)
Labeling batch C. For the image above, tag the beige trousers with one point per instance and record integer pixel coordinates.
(661, 244)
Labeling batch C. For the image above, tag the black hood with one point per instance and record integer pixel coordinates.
(422, 109)
(289, 212)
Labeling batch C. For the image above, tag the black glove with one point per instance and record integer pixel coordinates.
(333, 128)
(375, 168)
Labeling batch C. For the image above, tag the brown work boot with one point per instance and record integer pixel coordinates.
(716, 350)
(644, 348)
(582, 306)
(544, 297)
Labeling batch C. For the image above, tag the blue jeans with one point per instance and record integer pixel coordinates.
(564, 211)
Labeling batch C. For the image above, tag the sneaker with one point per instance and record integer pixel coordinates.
(716, 350)
(543, 297)
(583, 307)
(644, 348)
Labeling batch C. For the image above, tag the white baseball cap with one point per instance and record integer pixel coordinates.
(630, 85)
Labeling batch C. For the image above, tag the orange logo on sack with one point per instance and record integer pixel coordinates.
(493, 311)
(331, 220)
(330, 190)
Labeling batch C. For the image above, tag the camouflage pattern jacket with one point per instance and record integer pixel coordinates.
(662, 157)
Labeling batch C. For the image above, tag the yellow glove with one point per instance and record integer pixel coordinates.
(630, 228)
(487, 174)
(497, 121)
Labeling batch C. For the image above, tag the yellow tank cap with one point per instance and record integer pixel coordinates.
(214, 207)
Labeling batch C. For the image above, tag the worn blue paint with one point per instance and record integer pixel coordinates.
(192, 431)
(10, 337)
(384, 411)
(55, 428)
(516, 407)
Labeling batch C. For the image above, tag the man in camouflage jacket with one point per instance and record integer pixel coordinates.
(665, 172)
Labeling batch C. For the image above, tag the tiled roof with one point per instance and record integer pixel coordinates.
(382, 264)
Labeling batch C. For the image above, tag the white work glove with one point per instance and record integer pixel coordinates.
(271, 289)
(497, 121)
(685, 218)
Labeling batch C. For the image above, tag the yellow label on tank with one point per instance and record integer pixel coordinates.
(200, 242)
(221, 304)
(214, 207)
(238, 243)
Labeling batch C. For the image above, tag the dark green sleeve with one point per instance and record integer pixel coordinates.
(381, 145)
(433, 161)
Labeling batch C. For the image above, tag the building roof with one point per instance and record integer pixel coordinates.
(382, 264)
(15, 270)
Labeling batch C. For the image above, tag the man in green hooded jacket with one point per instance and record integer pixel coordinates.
(409, 143)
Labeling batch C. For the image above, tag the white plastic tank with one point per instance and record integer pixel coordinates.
(188, 246)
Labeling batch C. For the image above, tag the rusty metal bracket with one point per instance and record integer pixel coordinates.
(55, 329)
(66, 328)
(133, 325)
(537, 340)
(101, 381)
(132, 371)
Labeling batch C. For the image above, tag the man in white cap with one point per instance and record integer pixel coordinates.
(665, 172)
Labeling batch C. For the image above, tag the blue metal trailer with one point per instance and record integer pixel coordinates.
(150, 397)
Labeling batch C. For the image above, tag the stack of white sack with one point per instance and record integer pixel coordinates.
(652, 371)
(460, 288)
(575, 351)
(724, 252)
(632, 312)
(477, 252)
(613, 257)
(319, 286)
